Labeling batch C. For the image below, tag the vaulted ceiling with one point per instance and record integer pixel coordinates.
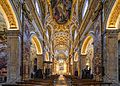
(61, 17)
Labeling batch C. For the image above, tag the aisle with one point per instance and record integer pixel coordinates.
(61, 81)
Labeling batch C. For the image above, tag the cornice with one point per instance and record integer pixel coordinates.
(12, 33)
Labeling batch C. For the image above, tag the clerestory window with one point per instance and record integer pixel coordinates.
(85, 6)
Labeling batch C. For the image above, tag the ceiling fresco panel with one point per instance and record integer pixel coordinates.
(61, 10)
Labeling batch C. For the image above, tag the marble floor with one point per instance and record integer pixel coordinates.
(61, 81)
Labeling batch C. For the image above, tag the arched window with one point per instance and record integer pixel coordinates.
(75, 35)
(47, 34)
(37, 7)
(85, 6)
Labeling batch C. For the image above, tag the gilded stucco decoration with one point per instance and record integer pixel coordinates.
(112, 21)
(9, 15)
(76, 56)
(46, 56)
(85, 45)
(37, 44)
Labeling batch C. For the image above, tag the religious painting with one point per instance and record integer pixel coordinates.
(61, 10)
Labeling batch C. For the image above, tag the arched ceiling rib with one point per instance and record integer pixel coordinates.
(9, 15)
(114, 16)
(37, 44)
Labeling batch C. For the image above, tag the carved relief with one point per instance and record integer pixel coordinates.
(114, 15)
(9, 13)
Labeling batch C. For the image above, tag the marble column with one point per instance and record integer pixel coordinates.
(68, 68)
(79, 66)
(26, 71)
(13, 63)
(69, 64)
(111, 59)
(73, 66)
(53, 66)
(39, 61)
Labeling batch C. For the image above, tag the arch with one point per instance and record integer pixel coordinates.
(76, 56)
(85, 44)
(113, 18)
(46, 56)
(9, 15)
(49, 26)
(73, 27)
(37, 44)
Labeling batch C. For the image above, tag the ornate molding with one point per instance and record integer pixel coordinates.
(13, 33)
(114, 15)
(112, 31)
(9, 13)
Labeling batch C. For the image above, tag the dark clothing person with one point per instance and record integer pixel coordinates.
(47, 73)
(76, 73)
(39, 74)
(86, 73)
(32, 76)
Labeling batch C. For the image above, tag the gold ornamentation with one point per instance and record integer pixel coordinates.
(114, 15)
(37, 44)
(5, 4)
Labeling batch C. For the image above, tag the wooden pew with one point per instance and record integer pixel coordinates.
(40, 82)
(21, 85)
(36, 82)
(76, 82)
(89, 83)
(96, 84)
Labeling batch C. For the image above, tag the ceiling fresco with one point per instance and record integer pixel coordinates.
(61, 10)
